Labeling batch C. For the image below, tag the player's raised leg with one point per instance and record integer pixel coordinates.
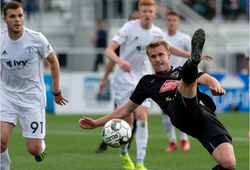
(188, 84)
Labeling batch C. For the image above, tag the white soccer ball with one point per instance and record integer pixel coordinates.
(116, 133)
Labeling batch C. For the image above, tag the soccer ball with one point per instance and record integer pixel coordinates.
(116, 133)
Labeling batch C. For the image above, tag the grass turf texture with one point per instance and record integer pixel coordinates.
(71, 148)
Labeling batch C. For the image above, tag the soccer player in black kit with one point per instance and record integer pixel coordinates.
(176, 92)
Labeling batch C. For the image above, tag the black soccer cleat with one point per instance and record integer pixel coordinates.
(198, 41)
(100, 149)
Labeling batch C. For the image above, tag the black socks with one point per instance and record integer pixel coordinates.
(189, 72)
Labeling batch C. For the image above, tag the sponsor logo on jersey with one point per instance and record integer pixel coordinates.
(168, 85)
(169, 99)
(4, 52)
(29, 50)
(16, 63)
(175, 74)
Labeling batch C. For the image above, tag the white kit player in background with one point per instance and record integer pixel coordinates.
(134, 64)
(182, 41)
(23, 93)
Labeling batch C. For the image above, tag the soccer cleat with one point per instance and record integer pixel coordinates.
(198, 41)
(40, 157)
(127, 163)
(100, 149)
(185, 145)
(172, 146)
(140, 166)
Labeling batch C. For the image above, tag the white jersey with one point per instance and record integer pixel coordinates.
(133, 39)
(22, 68)
(182, 41)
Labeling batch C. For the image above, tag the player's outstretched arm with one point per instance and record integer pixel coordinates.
(119, 113)
(55, 74)
(212, 83)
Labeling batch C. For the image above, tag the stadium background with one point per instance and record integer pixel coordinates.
(68, 24)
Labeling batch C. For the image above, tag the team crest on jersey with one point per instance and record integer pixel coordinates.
(175, 74)
(168, 85)
(29, 50)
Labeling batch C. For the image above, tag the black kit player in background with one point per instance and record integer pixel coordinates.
(176, 92)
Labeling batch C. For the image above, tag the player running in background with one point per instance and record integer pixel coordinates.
(133, 64)
(176, 92)
(182, 41)
(103, 146)
(23, 90)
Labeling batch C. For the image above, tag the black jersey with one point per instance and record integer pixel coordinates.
(199, 122)
(162, 88)
(159, 87)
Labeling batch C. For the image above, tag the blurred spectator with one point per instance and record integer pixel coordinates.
(211, 9)
(200, 6)
(247, 58)
(231, 9)
(30, 7)
(100, 40)
(3, 2)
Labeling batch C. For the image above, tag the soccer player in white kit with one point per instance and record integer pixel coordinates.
(134, 64)
(182, 41)
(23, 90)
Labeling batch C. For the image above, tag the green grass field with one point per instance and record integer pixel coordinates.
(71, 148)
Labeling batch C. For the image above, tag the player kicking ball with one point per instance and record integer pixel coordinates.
(175, 91)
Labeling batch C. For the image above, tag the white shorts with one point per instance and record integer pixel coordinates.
(32, 120)
(120, 101)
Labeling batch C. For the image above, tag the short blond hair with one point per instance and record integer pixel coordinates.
(157, 43)
(146, 3)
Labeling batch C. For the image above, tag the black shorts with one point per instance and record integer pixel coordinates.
(196, 120)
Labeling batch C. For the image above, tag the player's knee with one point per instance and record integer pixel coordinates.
(229, 163)
(4, 143)
(34, 150)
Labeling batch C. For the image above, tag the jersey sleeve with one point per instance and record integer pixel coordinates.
(139, 95)
(122, 34)
(43, 46)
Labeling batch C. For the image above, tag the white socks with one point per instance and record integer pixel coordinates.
(43, 146)
(169, 128)
(5, 160)
(141, 139)
(183, 135)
